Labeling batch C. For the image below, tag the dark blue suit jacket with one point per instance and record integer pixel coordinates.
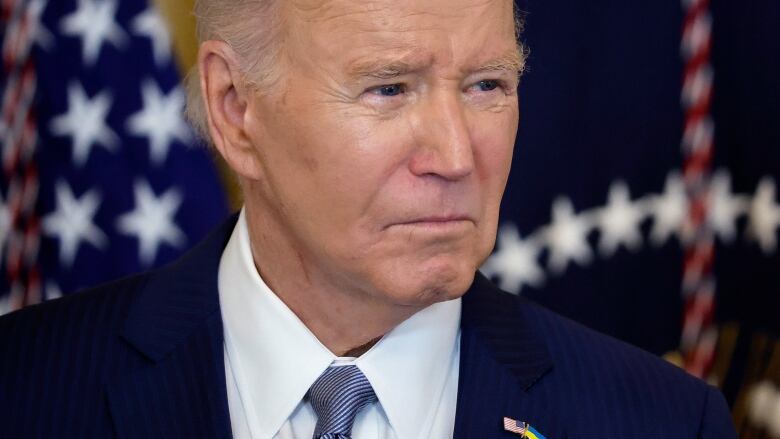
(143, 358)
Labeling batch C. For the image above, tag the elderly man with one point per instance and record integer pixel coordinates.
(372, 141)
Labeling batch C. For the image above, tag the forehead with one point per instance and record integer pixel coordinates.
(329, 9)
(420, 31)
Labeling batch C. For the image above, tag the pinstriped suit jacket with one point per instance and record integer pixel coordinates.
(142, 358)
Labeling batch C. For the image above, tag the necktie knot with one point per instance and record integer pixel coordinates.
(337, 396)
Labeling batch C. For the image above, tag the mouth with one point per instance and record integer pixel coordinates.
(435, 222)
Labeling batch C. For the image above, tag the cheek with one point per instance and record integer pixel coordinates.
(339, 163)
(494, 140)
(360, 163)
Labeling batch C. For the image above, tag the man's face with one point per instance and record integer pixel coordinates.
(387, 142)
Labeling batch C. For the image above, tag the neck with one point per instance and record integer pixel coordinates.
(345, 320)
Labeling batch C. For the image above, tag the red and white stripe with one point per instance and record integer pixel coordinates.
(699, 335)
(515, 426)
(19, 136)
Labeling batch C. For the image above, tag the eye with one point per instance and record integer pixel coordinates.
(488, 84)
(389, 90)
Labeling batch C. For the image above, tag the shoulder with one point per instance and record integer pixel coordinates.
(572, 345)
(77, 330)
(567, 339)
(58, 356)
(602, 373)
(100, 307)
(61, 359)
(101, 310)
(572, 378)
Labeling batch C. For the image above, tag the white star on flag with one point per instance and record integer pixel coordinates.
(85, 122)
(160, 120)
(5, 227)
(567, 236)
(515, 261)
(669, 210)
(53, 291)
(725, 207)
(764, 216)
(41, 35)
(5, 304)
(149, 24)
(152, 221)
(72, 222)
(94, 21)
(619, 221)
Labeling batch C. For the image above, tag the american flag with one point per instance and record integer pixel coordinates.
(515, 426)
(102, 176)
(521, 428)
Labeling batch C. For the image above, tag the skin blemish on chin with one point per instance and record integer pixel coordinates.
(283, 98)
(303, 265)
(311, 163)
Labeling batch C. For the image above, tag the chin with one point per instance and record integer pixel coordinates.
(431, 282)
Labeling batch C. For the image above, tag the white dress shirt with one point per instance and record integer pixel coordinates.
(271, 360)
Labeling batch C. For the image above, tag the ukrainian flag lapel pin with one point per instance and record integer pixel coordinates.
(524, 429)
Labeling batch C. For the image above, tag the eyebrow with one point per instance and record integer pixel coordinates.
(511, 61)
(387, 68)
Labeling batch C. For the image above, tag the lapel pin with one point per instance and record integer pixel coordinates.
(524, 429)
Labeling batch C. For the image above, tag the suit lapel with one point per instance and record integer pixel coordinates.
(176, 325)
(502, 359)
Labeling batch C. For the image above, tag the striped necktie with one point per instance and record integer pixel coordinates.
(337, 396)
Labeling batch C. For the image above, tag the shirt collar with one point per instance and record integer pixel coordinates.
(276, 358)
(408, 368)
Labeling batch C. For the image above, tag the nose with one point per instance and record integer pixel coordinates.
(444, 143)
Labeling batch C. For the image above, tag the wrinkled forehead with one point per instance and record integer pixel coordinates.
(326, 10)
(422, 31)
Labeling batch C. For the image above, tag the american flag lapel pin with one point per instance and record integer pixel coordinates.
(524, 429)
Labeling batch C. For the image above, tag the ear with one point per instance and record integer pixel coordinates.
(225, 97)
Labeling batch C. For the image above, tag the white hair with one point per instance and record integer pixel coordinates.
(252, 29)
